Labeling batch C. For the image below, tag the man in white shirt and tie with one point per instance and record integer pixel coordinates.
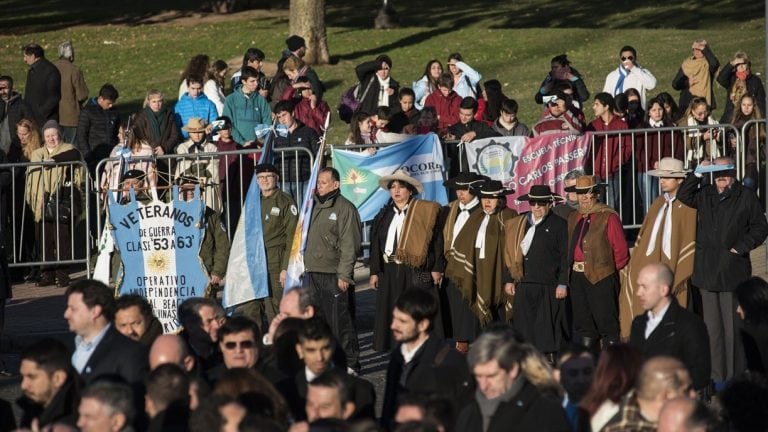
(668, 235)
(668, 329)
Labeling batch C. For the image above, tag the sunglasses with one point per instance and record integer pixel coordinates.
(538, 203)
(246, 344)
(630, 58)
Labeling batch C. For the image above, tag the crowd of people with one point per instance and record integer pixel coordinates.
(493, 320)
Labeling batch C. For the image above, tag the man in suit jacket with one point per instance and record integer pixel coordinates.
(668, 329)
(315, 347)
(100, 350)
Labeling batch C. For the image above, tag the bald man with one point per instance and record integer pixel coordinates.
(661, 379)
(170, 348)
(666, 328)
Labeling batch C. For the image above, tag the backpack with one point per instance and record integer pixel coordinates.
(350, 102)
(476, 90)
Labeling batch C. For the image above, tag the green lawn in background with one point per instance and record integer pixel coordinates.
(135, 47)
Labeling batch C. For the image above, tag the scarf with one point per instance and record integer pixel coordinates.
(697, 71)
(525, 245)
(489, 406)
(393, 232)
(417, 228)
(330, 195)
(738, 90)
(620, 80)
(462, 218)
(157, 123)
(383, 88)
(698, 148)
(480, 241)
(664, 216)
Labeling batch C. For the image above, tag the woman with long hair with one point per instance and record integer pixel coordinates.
(213, 88)
(650, 147)
(615, 375)
(738, 80)
(136, 147)
(701, 142)
(753, 152)
(670, 106)
(427, 84)
(489, 105)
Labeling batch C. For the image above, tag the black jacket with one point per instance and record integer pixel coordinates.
(735, 221)
(304, 137)
(528, 410)
(169, 136)
(43, 91)
(366, 74)
(437, 368)
(726, 78)
(680, 82)
(117, 355)
(680, 334)
(363, 391)
(62, 409)
(547, 260)
(97, 131)
(14, 109)
(481, 129)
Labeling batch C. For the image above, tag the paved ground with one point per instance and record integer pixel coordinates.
(36, 312)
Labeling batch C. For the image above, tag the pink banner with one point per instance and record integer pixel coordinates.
(541, 160)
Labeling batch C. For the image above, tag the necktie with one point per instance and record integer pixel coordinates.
(525, 245)
(393, 233)
(462, 218)
(480, 240)
(666, 232)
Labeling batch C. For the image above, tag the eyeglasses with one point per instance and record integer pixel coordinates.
(630, 58)
(264, 177)
(246, 344)
(538, 203)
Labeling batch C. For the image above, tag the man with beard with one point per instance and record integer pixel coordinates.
(422, 364)
(50, 385)
(134, 318)
(571, 203)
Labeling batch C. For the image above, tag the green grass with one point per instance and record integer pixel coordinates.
(512, 42)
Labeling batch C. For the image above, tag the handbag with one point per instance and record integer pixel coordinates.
(61, 206)
(350, 101)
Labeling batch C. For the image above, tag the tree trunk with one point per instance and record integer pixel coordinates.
(307, 19)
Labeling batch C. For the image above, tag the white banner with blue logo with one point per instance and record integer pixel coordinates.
(421, 156)
(159, 246)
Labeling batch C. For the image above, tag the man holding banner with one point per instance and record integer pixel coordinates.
(333, 243)
(279, 216)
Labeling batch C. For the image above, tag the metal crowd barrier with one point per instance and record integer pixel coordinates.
(228, 190)
(679, 141)
(58, 238)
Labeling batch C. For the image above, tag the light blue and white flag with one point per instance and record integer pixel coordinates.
(421, 156)
(159, 247)
(247, 266)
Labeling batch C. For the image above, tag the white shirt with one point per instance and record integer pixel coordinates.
(309, 374)
(408, 354)
(84, 350)
(653, 321)
(463, 217)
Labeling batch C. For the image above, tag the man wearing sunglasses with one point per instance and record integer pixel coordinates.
(628, 75)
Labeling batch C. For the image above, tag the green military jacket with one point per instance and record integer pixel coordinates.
(279, 217)
(214, 251)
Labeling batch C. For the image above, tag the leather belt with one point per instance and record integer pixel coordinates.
(390, 259)
(578, 266)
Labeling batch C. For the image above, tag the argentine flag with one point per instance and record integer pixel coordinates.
(421, 156)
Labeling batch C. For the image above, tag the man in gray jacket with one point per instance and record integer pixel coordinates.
(333, 243)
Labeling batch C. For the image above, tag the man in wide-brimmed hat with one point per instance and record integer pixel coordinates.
(597, 251)
(279, 216)
(201, 167)
(668, 235)
(536, 254)
(462, 222)
(730, 224)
